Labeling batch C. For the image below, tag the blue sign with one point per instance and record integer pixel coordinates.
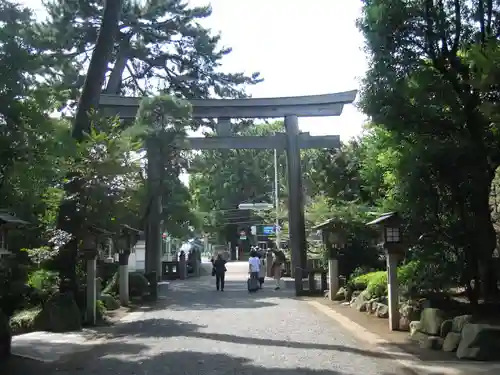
(267, 230)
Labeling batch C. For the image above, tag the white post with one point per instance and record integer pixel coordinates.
(392, 291)
(91, 290)
(333, 274)
(237, 253)
(276, 198)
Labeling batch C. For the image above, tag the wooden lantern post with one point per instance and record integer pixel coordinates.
(389, 225)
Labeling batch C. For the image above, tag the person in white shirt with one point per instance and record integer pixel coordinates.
(254, 265)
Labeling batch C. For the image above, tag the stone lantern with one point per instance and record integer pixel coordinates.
(389, 226)
(334, 238)
(125, 241)
(8, 221)
(90, 239)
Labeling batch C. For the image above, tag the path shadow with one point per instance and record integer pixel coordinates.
(187, 295)
(130, 359)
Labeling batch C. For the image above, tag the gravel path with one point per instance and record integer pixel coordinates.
(198, 331)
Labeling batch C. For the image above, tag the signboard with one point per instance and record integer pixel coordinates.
(243, 235)
(268, 230)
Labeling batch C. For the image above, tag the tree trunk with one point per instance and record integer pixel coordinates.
(70, 218)
(115, 79)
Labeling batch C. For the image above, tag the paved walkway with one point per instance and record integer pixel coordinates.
(199, 331)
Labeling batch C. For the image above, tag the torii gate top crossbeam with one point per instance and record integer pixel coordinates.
(301, 106)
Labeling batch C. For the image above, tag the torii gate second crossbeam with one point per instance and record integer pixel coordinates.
(289, 108)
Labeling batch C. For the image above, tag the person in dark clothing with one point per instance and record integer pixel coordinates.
(220, 272)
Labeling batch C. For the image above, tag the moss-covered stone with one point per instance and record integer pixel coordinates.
(59, 314)
(23, 320)
(110, 302)
(138, 284)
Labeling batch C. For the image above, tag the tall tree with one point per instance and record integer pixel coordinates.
(71, 219)
(432, 83)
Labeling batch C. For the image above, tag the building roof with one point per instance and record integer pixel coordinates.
(10, 218)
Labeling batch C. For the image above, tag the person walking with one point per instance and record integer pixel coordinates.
(278, 261)
(219, 270)
(254, 266)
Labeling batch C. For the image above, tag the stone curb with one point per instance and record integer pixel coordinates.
(409, 362)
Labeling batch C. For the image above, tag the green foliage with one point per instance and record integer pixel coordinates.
(431, 89)
(44, 280)
(23, 321)
(42, 255)
(219, 181)
(375, 283)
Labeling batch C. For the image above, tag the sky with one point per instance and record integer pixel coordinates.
(299, 47)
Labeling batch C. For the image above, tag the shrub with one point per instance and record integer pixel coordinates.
(44, 280)
(375, 283)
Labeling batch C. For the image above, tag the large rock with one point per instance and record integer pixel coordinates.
(451, 342)
(110, 302)
(341, 295)
(138, 284)
(5, 336)
(480, 342)
(360, 302)
(382, 311)
(459, 322)
(431, 320)
(446, 327)
(59, 314)
(414, 327)
(410, 310)
(404, 324)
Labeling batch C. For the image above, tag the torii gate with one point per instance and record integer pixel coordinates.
(289, 108)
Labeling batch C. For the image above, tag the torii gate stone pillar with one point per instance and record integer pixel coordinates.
(289, 108)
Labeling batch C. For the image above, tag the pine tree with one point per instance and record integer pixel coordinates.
(161, 46)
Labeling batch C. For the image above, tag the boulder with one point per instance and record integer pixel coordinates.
(110, 302)
(480, 342)
(451, 342)
(459, 322)
(138, 284)
(430, 342)
(404, 324)
(360, 302)
(59, 314)
(431, 320)
(371, 306)
(340, 295)
(410, 310)
(446, 327)
(414, 327)
(5, 336)
(382, 311)
(354, 295)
